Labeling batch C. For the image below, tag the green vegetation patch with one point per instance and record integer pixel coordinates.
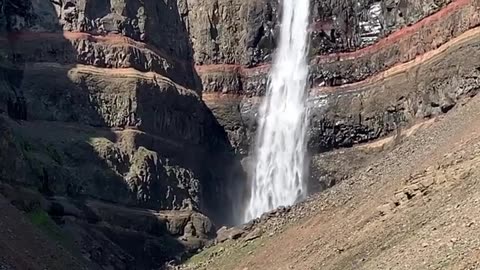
(43, 221)
(226, 255)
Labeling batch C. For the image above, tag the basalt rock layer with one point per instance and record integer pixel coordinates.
(366, 44)
(121, 118)
(102, 126)
(229, 32)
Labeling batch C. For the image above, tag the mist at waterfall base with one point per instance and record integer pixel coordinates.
(279, 173)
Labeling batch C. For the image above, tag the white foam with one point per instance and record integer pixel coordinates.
(281, 143)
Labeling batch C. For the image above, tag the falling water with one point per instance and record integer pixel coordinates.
(281, 141)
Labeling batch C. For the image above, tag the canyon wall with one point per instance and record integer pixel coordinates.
(351, 42)
(126, 120)
(101, 117)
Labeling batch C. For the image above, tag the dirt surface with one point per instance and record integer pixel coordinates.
(24, 247)
(417, 207)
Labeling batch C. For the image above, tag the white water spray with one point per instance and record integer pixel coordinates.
(281, 142)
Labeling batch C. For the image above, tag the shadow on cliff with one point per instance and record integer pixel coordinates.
(61, 122)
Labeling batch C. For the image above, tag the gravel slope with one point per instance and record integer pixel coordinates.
(24, 247)
(417, 207)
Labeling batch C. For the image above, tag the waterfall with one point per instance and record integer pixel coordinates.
(278, 179)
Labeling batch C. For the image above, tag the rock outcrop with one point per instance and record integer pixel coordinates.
(100, 105)
(127, 119)
(350, 43)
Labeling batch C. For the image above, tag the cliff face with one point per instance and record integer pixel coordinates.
(125, 115)
(351, 42)
(101, 113)
(229, 32)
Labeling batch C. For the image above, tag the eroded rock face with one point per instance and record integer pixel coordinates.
(351, 42)
(44, 86)
(13, 167)
(146, 36)
(230, 32)
(100, 101)
(103, 103)
(154, 22)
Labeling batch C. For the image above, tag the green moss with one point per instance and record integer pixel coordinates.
(54, 154)
(43, 221)
(26, 146)
(204, 255)
(227, 255)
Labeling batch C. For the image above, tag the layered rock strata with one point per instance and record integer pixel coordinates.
(343, 118)
(244, 33)
(103, 115)
(100, 102)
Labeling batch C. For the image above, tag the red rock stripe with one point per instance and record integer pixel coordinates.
(403, 67)
(399, 34)
(384, 42)
(395, 70)
(112, 39)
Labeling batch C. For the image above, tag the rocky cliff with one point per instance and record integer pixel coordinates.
(125, 120)
(101, 115)
(353, 44)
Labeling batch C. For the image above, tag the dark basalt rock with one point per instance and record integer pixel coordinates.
(245, 33)
(102, 112)
(112, 115)
(362, 54)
